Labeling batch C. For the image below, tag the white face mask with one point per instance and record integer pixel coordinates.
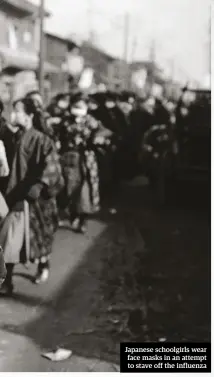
(110, 104)
(79, 112)
(131, 101)
(93, 106)
(63, 104)
(126, 107)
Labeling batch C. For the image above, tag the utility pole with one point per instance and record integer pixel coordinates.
(172, 69)
(89, 15)
(126, 37)
(134, 46)
(152, 51)
(126, 42)
(209, 40)
(42, 49)
(152, 60)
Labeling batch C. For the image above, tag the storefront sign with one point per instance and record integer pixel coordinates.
(86, 79)
(139, 78)
(157, 90)
(75, 64)
(101, 88)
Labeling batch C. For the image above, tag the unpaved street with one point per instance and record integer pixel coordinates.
(141, 274)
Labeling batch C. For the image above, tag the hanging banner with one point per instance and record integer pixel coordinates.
(86, 79)
(139, 78)
(101, 88)
(75, 64)
(207, 82)
(157, 90)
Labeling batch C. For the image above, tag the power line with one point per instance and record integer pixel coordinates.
(134, 47)
(42, 48)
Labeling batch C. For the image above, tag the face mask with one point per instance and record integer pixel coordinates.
(63, 104)
(79, 112)
(93, 106)
(127, 108)
(110, 105)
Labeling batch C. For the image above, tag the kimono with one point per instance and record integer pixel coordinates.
(161, 114)
(116, 123)
(40, 123)
(79, 164)
(3, 271)
(35, 178)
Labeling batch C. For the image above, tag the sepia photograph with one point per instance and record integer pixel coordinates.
(105, 186)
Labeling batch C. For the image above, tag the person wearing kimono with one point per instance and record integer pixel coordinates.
(104, 151)
(27, 233)
(40, 116)
(3, 271)
(113, 120)
(79, 163)
(4, 171)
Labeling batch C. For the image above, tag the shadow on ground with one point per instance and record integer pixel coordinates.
(127, 290)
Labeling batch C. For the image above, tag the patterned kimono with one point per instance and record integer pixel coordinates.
(80, 164)
(2, 267)
(35, 177)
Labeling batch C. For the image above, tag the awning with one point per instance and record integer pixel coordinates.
(22, 60)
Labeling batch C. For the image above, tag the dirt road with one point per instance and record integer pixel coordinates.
(142, 274)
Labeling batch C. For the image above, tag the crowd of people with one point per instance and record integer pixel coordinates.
(61, 163)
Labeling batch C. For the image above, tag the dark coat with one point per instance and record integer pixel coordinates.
(79, 163)
(3, 271)
(35, 176)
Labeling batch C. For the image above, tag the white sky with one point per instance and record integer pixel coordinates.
(179, 27)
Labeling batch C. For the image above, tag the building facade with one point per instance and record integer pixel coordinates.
(64, 54)
(119, 75)
(19, 43)
(98, 60)
(19, 38)
(144, 76)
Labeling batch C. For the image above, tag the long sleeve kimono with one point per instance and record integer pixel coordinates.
(35, 177)
(2, 267)
(80, 164)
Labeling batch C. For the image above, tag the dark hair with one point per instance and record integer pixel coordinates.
(1, 107)
(111, 96)
(59, 97)
(28, 103)
(125, 96)
(184, 89)
(78, 97)
(93, 100)
(32, 93)
(99, 98)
